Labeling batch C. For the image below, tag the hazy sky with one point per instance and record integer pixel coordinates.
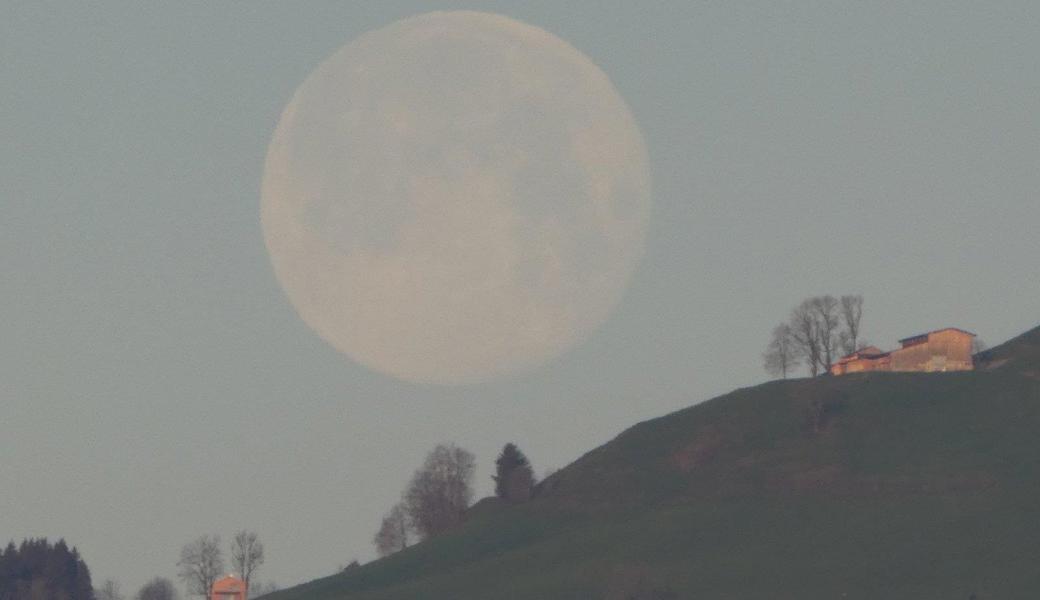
(156, 384)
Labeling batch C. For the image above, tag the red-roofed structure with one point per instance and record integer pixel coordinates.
(940, 350)
(229, 588)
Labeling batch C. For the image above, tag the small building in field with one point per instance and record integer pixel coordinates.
(229, 588)
(941, 350)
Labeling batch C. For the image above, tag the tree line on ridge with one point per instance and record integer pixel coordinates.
(818, 331)
(439, 493)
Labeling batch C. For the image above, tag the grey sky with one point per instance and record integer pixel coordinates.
(156, 384)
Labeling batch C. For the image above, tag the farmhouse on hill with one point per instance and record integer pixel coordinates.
(229, 588)
(941, 350)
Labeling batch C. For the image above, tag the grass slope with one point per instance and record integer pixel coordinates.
(1022, 354)
(865, 486)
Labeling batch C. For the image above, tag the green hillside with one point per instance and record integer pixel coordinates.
(868, 486)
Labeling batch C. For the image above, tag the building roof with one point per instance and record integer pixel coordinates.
(228, 584)
(868, 352)
(921, 335)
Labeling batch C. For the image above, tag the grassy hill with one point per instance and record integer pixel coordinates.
(1021, 354)
(866, 486)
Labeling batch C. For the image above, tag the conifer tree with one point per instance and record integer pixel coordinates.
(514, 478)
(39, 569)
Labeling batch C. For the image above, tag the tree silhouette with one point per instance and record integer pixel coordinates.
(200, 564)
(38, 569)
(440, 491)
(158, 588)
(514, 478)
(247, 554)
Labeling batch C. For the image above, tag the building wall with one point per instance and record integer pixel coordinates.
(861, 364)
(948, 350)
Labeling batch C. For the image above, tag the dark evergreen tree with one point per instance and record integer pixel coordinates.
(514, 478)
(39, 570)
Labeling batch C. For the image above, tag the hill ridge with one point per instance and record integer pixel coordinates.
(895, 485)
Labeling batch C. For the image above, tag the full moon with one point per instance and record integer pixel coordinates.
(455, 197)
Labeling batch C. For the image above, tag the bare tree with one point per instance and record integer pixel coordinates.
(200, 564)
(816, 331)
(109, 590)
(158, 588)
(828, 324)
(247, 554)
(805, 337)
(393, 534)
(781, 356)
(440, 491)
(851, 314)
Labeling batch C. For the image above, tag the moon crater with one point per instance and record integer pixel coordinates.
(454, 197)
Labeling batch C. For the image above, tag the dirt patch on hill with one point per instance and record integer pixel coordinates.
(824, 477)
(702, 450)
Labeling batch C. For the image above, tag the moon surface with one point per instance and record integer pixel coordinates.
(455, 197)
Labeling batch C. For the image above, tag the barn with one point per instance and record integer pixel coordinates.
(946, 349)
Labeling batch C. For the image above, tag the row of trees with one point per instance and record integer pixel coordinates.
(819, 330)
(202, 562)
(440, 491)
(159, 588)
(39, 570)
(435, 500)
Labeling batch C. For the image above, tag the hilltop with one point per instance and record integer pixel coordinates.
(1021, 353)
(893, 485)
